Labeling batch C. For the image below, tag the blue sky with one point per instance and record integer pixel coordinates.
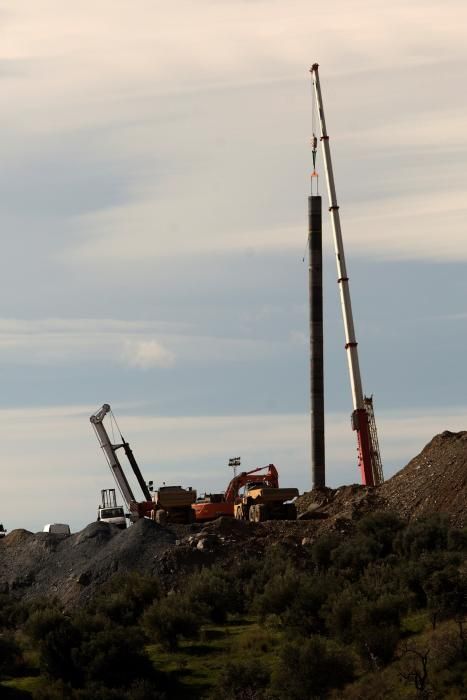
(155, 171)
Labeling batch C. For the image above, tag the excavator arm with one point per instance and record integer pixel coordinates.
(270, 478)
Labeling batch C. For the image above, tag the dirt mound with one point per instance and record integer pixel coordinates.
(229, 527)
(340, 509)
(435, 481)
(16, 537)
(73, 568)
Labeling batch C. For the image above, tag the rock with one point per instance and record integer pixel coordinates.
(207, 541)
(84, 579)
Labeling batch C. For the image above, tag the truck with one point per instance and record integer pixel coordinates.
(259, 503)
(171, 504)
(109, 512)
(261, 487)
(57, 529)
(174, 504)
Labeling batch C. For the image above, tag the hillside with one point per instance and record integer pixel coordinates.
(74, 568)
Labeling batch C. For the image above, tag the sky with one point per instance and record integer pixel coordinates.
(154, 178)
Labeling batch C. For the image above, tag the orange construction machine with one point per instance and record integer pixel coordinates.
(231, 503)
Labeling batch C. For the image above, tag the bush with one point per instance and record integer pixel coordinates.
(383, 528)
(212, 594)
(43, 621)
(376, 629)
(446, 592)
(322, 549)
(170, 619)
(355, 555)
(10, 656)
(339, 615)
(57, 652)
(310, 668)
(114, 657)
(278, 594)
(242, 680)
(126, 597)
(424, 535)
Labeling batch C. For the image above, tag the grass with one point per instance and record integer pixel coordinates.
(198, 664)
(26, 684)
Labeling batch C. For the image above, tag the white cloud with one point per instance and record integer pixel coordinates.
(65, 341)
(146, 354)
(139, 344)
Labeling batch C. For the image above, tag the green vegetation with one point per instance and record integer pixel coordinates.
(382, 613)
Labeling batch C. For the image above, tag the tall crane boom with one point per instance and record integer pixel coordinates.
(368, 451)
(110, 452)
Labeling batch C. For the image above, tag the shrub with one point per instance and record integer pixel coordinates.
(57, 652)
(10, 656)
(321, 551)
(114, 657)
(212, 594)
(310, 668)
(424, 535)
(43, 621)
(126, 597)
(242, 680)
(168, 620)
(339, 615)
(375, 628)
(355, 555)
(278, 594)
(383, 528)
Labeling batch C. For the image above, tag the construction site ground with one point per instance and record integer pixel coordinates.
(73, 568)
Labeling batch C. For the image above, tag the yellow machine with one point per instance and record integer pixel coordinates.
(260, 503)
(173, 504)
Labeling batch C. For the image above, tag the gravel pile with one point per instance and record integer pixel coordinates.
(73, 568)
(435, 481)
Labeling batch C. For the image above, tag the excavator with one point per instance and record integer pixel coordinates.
(165, 504)
(262, 499)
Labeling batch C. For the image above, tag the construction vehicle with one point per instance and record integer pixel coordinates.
(109, 512)
(260, 489)
(166, 504)
(62, 529)
(363, 420)
(2, 530)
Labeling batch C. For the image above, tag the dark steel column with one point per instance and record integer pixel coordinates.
(315, 267)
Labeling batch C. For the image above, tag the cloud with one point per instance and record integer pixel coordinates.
(139, 344)
(67, 341)
(146, 354)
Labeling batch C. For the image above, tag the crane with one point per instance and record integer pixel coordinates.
(137, 510)
(165, 504)
(363, 420)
